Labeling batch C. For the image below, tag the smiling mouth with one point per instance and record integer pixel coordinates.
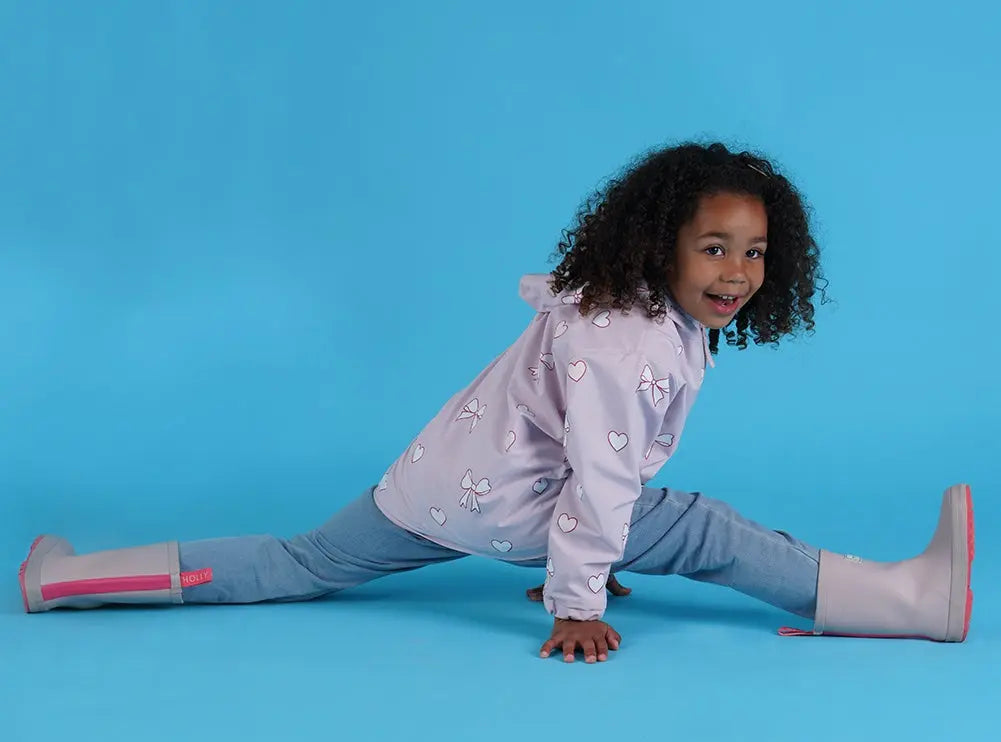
(724, 303)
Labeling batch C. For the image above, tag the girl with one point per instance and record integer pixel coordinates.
(542, 459)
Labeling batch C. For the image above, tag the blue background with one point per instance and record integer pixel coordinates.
(247, 249)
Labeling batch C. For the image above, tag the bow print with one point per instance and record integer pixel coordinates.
(659, 388)
(574, 298)
(474, 411)
(666, 440)
(471, 489)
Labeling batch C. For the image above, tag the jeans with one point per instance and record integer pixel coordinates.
(672, 533)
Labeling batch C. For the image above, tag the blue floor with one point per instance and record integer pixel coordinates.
(451, 653)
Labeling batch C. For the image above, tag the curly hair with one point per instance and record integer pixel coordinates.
(624, 240)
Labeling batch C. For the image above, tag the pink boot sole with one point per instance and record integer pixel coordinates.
(21, 571)
(971, 548)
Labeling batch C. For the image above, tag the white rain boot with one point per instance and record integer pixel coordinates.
(927, 597)
(53, 576)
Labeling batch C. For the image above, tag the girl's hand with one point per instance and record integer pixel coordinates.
(595, 638)
(614, 587)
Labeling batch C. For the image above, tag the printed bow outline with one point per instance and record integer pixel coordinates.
(666, 440)
(471, 489)
(472, 410)
(659, 388)
(575, 298)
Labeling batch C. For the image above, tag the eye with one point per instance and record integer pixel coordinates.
(760, 254)
(714, 247)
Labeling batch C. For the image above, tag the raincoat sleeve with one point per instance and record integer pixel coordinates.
(616, 404)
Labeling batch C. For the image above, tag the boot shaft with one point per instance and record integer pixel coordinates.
(53, 576)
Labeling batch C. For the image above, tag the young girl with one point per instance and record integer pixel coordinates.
(542, 459)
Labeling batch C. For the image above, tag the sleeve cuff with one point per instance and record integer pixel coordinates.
(562, 610)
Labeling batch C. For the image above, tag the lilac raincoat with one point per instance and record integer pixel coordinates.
(546, 451)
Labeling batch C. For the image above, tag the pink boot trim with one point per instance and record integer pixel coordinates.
(103, 585)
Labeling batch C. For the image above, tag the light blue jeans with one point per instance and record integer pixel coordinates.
(672, 533)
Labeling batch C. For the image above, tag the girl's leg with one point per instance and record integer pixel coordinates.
(686, 533)
(927, 596)
(356, 545)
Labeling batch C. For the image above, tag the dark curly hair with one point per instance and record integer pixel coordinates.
(625, 235)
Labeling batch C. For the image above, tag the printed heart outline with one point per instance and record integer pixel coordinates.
(595, 583)
(602, 319)
(618, 441)
(567, 523)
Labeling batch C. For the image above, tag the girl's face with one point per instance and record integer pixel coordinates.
(719, 260)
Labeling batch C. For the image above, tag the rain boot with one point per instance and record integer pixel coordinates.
(54, 576)
(926, 597)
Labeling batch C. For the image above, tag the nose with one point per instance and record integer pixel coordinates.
(732, 270)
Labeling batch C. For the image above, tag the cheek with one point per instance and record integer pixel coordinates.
(692, 273)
